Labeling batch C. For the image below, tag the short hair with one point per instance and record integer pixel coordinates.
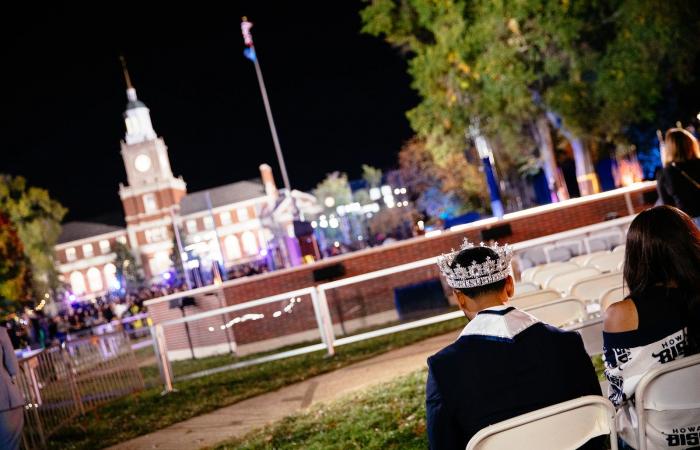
(478, 254)
(680, 145)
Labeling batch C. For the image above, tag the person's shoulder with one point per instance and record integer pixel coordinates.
(458, 350)
(621, 317)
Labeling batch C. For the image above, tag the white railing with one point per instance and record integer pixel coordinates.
(318, 295)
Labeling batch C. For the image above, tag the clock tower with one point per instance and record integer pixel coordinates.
(152, 192)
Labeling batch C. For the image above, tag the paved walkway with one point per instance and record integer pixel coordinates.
(242, 417)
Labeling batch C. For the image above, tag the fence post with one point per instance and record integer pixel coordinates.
(161, 351)
(325, 320)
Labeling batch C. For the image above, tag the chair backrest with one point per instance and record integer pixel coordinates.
(555, 254)
(560, 313)
(563, 426)
(604, 240)
(582, 260)
(612, 295)
(607, 262)
(592, 288)
(525, 287)
(534, 298)
(536, 255)
(562, 282)
(546, 272)
(619, 248)
(668, 405)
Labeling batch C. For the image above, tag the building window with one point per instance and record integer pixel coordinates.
(208, 222)
(94, 280)
(250, 246)
(105, 247)
(77, 283)
(110, 272)
(225, 218)
(88, 251)
(233, 248)
(191, 226)
(150, 204)
(70, 254)
(242, 214)
(156, 234)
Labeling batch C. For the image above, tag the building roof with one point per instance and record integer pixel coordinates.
(72, 231)
(221, 196)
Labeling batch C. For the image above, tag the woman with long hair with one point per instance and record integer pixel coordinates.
(679, 181)
(659, 321)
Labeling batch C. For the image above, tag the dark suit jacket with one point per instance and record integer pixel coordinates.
(481, 380)
(10, 395)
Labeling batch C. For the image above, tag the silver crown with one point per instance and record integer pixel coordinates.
(476, 274)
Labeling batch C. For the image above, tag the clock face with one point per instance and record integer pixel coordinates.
(142, 163)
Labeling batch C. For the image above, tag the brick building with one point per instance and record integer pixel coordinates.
(232, 224)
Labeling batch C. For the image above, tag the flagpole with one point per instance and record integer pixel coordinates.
(252, 55)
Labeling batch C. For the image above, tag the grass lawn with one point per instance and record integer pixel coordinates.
(388, 416)
(148, 411)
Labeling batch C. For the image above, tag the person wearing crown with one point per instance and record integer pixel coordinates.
(505, 361)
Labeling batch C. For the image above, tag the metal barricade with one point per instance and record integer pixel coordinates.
(60, 383)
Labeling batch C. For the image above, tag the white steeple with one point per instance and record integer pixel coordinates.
(137, 116)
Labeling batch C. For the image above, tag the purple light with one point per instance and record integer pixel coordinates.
(166, 275)
(71, 297)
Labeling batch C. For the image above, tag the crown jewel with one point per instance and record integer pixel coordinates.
(476, 274)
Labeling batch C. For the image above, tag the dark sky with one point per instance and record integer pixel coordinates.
(338, 97)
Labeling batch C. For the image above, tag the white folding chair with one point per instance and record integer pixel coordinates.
(612, 295)
(546, 272)
(529, 273)
(560, 313)
(619, 248)
(563, 426)
(525, 287)
(563, 282)
(592, 288)
(534, 298)
(582, 260)
(667, 403)
(607, 262)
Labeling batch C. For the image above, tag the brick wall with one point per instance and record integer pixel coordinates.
(377, 296)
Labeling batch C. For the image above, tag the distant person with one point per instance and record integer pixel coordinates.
(505, 362)
(679, 181)
(11, 400)
(659, 321)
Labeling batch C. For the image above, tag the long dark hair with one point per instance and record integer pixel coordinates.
(663, 249)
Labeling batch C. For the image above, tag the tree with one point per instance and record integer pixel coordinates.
(128, 268)
(333, 191)
(518, 68)
(15, 274)
(440, 191)
(372, 176)
(37, 220)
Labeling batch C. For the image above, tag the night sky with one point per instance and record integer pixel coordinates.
(338, 97)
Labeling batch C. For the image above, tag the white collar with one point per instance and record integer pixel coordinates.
(500, 322)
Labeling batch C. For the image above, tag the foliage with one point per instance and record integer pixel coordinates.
(148, 411)
(128, 268)
(390, 221)
(37, 220)
(438, 190)
(593, 67)
(371, 175)
(336, 187)
(14, 270)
